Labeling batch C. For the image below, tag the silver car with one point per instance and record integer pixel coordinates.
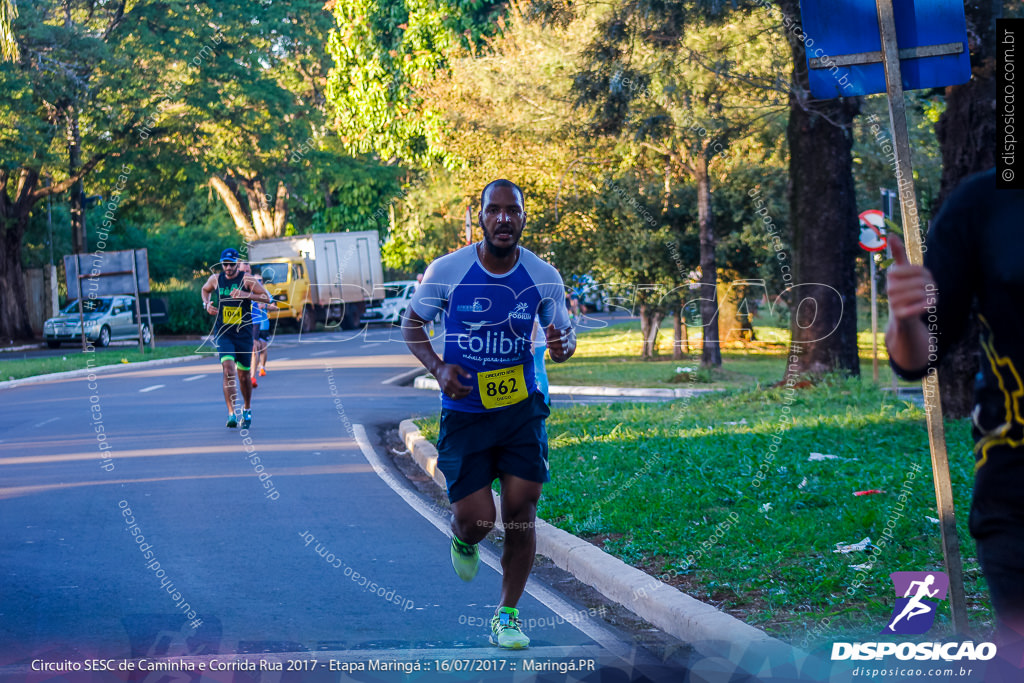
(397, 296)
(107, 319)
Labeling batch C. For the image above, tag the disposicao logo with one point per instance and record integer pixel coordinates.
(917, 597)
(914, 612)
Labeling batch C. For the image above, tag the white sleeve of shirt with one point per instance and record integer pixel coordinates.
(552, 290)
(432, 294)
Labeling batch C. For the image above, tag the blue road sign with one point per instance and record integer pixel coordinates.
(844, 49)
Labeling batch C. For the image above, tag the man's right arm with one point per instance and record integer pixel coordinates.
(419, 345)
(911, 291)
(208, 290)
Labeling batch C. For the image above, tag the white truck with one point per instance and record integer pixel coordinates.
(324, 277)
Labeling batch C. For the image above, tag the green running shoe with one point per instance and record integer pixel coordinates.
(232, 421)
(246, 419)
(465, 559)
(505, 630)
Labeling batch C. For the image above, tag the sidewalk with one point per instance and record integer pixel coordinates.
(85, 372)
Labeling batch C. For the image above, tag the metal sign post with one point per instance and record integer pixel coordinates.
(872, 240)
(846, 61)
(888, 202)
(874, 318)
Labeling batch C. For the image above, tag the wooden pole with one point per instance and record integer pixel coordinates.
(930, 384)
(81, 312)
(149, 321)
(138, 309)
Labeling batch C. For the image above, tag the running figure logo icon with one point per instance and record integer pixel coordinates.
(913, 612)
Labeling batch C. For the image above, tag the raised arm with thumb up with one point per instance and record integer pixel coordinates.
(911, 292)
(908, 287)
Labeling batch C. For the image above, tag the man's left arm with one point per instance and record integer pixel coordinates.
(559, 332)
(255, 290)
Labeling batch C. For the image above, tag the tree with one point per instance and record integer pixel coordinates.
(597, 206)
(384, 52)
(159, 89)
(69, 106)
(507, 113)
(646, 239)
(8, 45)
(823, 217)
(247, 105)
(687, 98)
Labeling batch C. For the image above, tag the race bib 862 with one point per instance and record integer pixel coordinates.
(502, 387)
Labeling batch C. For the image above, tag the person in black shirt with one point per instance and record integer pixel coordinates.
(233, 329)
(975, 253)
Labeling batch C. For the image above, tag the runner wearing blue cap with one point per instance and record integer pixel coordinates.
(233, 329)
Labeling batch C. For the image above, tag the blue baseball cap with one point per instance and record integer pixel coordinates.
(229, 255)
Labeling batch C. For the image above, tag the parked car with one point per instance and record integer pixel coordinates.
(396, 299)
(107, 319)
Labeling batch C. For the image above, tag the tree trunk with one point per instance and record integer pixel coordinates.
(280, 209)
(680, 340)
(967, 140)
(14, 323)
(234, 207)
(823, 214)
(711, 351)
(650, 322)
(263, 220)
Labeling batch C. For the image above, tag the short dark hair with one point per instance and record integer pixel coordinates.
(501, 182)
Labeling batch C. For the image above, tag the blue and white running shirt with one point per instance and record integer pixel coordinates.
(489, 322)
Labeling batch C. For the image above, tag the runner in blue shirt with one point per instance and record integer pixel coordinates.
(492, 416)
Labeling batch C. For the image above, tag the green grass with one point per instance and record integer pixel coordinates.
(18, 366)
(672, 488)
(610, 356)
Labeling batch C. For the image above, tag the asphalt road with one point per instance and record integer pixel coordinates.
(300, 542)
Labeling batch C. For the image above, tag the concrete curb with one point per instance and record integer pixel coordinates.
(406, 377)
(423, 452)
(565, 390)
(709, 630)
(85, 372)
(23, 347)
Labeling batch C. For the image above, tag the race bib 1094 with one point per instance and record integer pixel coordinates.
(232, 315)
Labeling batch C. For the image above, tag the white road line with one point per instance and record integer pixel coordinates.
(193, 378)
(152, 388)
(46, 422)
(593, 630)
